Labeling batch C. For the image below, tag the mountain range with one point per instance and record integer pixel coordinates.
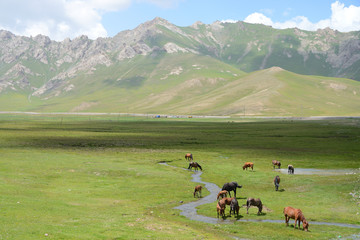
(219, 69)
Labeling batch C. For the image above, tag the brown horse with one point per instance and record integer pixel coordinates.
(222, 194)
(188, 156)
(296, 214)
(290, 169)
(248, 165)
(254, 202)
(227, 200)
(276, 163)
(197, 190)
(277, 182)
(194, 165)
(220, 208)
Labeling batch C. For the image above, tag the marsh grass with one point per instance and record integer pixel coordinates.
(100, 179)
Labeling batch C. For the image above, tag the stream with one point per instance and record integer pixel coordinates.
(189, 209)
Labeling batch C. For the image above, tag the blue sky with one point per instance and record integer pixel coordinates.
(185, 13)
(60, 19)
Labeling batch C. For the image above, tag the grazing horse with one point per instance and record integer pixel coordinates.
(248, 165)
(290, 169)
(222, 194)
(277, 182)
(231, 187)
(220, 208)
(197, 190)
(194, 165)
(276, 163)
(234, 207)
(296, 214)
(226, 200)
(188, 156)
(254, 202)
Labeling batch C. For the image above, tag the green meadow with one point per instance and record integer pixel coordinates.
(98, 177)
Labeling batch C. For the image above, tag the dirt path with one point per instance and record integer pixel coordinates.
(189, 209)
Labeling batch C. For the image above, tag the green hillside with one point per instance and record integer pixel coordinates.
(199, 85)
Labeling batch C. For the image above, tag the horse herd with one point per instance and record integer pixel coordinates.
(223, 200)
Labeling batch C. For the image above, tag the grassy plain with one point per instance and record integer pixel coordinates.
(99, 178)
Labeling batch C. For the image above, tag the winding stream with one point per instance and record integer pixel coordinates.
(189, 209)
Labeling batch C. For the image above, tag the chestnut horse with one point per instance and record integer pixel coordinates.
(276, 163)
(290, 169)
(220, 208)
(197, 190)
(227, 200)
(194, 165)
(222, 194)
(277, 182)
(188, 156)
(296, 214)
(254, 202)
(248, 165)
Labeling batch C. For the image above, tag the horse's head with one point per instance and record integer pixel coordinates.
(305, 225)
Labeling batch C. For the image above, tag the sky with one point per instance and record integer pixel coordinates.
(60, 19)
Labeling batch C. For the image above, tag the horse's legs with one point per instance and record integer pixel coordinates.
(286, 220)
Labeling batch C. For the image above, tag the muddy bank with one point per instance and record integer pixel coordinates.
(189, 209)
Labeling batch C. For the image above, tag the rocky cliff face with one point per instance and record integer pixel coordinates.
(38, 65)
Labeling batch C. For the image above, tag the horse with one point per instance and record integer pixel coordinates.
(220, 208)
(226, 200)
(222, 194)
(277, 182)
(248, 165)
(254, 202)
(290, 169)
(296, 214)
(197, 190)
(234, 207)
(276, 163)
(194, 165)
(189, 156)
(232, 186)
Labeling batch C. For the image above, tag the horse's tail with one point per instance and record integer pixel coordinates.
(189, 166)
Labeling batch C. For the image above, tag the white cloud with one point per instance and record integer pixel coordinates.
(343, 19)
(58, 19)
(258, 18)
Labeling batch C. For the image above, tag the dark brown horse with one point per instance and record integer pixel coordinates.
(254, 202)
(296, 214)
(231, 186)
(248, 165)
(189, 156)
(197, 190)
(276, 163)
(194, 165)
(290, 169)
(277, 182)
